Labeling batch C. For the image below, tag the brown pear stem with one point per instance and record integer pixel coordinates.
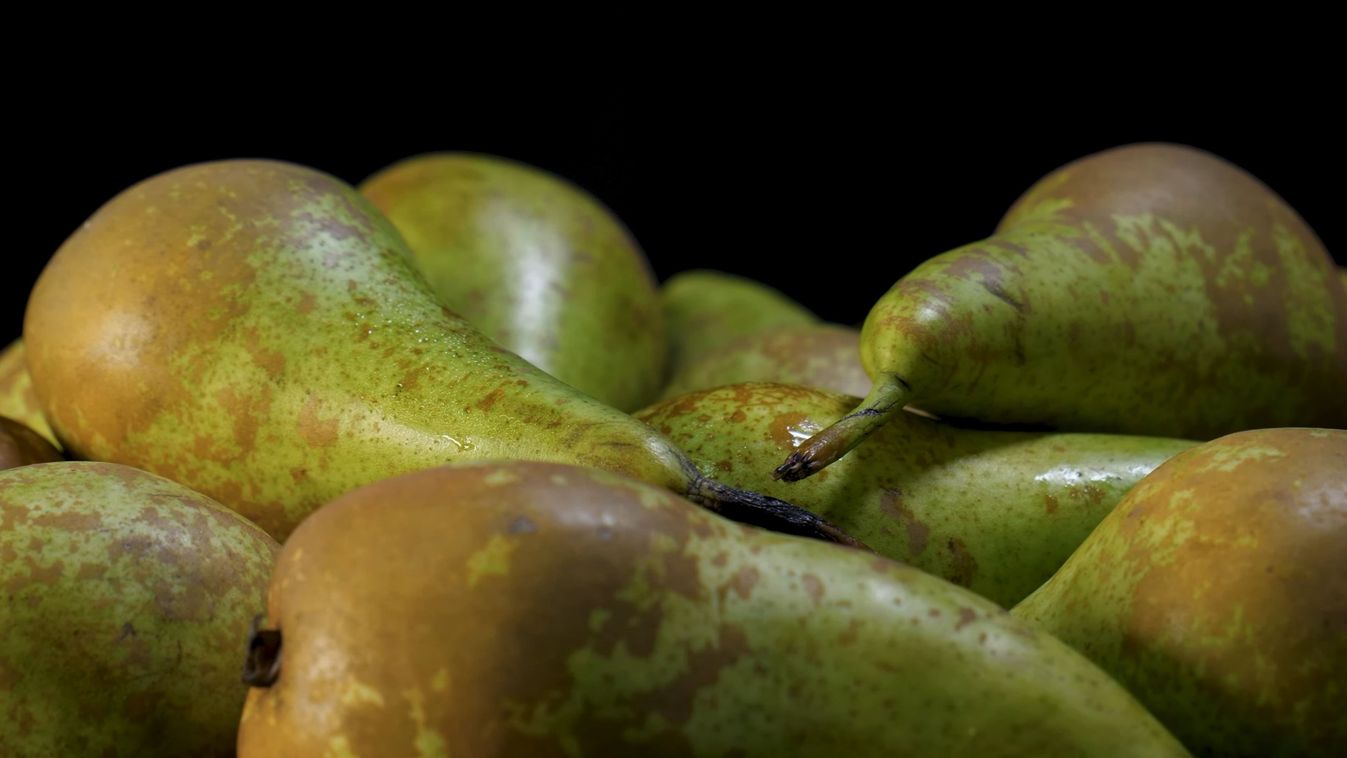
(886, 398)
(262, 667)
(768, 513)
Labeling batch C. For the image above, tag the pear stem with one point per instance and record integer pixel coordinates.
(262, 667)
(767, 512)
(886, 397)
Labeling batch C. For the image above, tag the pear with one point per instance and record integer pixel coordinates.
(127, 597)
(705, 309)
(17, 398)
(535, 263)
(538, 609)
(994, 511)
(21, 446)
(1217, 593)
(827, 356)
(1148, 289)
(254, 331)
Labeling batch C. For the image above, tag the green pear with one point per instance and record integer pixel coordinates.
(1217, 593)
(538, 609)
(21, 446)
(994, 511)
(1148, 289)
(705, 309)
(536, 264)
(818, 355)
(17, 398)
(127, 598)
(254, 331)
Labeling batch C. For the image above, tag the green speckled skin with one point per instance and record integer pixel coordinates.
(817, 355)
(127, 603)
(705, 309)
(17, 398)
(545, 610)
(253, 330)
(1217, 593)
(536, 264)
(994, 511)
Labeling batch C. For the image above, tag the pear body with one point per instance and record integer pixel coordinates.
(17, 398)
(545, 610)
(21, 446)
(704, 309)
(826, 356)
(128, 602)
(536, 264)
(1217, 593)
(994, 511)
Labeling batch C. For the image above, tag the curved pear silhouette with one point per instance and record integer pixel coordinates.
(17, 398)
(255, 331)
(994, 511)
(1216, 592)
(21, 446)
(548, 610)
(1148, 289)
(536, 264)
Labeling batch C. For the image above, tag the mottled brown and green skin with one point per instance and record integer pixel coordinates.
(994, 511)
(1148, 289)
(21, 446)
(127, 601)
(17, 398)
(704, 310)
(536, 264)
(547, 610)
(1217, 593)
(826, 356)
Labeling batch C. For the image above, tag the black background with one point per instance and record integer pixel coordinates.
(829, 195)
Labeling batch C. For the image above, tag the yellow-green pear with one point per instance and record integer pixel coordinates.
(17, 398)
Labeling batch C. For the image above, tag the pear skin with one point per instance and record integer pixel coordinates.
(1216, 592)
(21, 446)
(705, 309)
(1150, 289)
(17, 398)
(826, 356)
(127, 597)
(254, 330)
(537, 609)
(994, 511)
(535, 263)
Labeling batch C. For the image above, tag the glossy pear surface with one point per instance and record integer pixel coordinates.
(826, 356)
(21, 446)
(128, 600)
(17, 398)
(1149, 289)
(254, 330)
(535, 263)
(705, 309)
(1217, 593)
(994, 511)
(545, 610)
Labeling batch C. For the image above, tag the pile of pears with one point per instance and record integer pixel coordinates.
(435, 465)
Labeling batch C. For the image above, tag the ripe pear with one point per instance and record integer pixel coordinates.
(21, 446)
(1217, 593)
(1149, 289)
(127, 598)
(705, 309)
(254, 330)
(538, 609)
(826, 356)
(535, 263)
(17, 398)
(994, 511)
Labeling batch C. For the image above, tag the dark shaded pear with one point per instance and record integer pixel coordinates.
(1217, 593)
(17, 398)
(537, 609)
(826, 356)
(1150, 289)
(994, 511)
(21, 446)
(536, 264)
(127, 598)
(255, 331)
